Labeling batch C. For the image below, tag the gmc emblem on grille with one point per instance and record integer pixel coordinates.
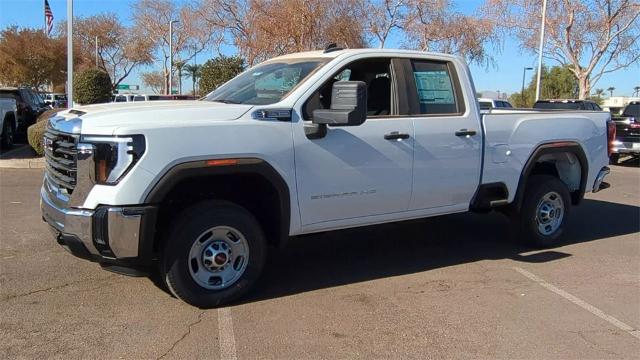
(48, 144)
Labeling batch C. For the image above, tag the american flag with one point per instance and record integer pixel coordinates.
(48, 16)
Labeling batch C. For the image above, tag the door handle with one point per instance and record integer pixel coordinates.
(465, 132)
(394, 135)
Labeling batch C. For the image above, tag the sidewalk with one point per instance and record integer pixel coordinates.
(21, 157)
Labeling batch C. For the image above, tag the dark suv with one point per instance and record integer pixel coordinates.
(567, 104)
(29, 105)
(627, 132)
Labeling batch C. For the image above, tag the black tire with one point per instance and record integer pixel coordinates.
(186, 230)
(614, 159)
(8, 133)
(526, 226)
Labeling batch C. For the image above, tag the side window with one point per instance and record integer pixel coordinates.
(506, 104)
(485, 105)
(375, 72)
(436, 90)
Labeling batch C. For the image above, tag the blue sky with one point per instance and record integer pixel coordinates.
(505, 75)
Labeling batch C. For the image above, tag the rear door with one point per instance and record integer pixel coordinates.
(448, 139)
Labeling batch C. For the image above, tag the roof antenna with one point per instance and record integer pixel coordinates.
(331, 47)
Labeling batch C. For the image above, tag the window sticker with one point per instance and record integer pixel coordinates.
(434, 87)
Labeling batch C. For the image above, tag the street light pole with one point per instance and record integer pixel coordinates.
(523, 76)
(541, 48)
(170, 55)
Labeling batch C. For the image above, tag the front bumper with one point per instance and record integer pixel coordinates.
(110, 235)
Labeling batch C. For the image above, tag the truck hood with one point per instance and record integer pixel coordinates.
(112, 118)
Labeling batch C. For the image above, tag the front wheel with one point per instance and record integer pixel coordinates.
(214, 254)
(544, 212)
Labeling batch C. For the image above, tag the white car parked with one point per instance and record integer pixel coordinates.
(305, 143)
(488, 104)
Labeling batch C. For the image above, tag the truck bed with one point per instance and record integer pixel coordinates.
(511, 137)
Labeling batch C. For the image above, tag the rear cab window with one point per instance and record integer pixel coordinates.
(437, 88)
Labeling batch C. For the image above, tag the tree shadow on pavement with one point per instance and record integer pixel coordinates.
(351, 256)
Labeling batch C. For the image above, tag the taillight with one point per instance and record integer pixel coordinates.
(611, 136)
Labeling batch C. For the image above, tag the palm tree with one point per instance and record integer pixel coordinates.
(636, 91)
(599, 93)
(193, 71)
(610, 90)
(179, 66)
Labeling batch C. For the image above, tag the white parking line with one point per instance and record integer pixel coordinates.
(225, 335)
(590, 308)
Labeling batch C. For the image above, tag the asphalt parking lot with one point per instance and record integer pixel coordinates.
(449, 287)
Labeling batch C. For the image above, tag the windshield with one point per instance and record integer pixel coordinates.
(485, 105)
(267, 83)
(557, 105)
(632, 110)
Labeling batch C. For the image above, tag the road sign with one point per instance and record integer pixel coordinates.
(128, 87)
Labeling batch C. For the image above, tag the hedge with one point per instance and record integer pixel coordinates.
(92, 86)
(35, 132)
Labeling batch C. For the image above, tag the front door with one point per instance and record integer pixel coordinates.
(356, 171)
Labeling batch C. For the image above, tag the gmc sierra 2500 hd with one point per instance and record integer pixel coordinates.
(305, 143)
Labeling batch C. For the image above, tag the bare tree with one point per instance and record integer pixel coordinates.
(192, 32)
(154, 80)
(433, 25)
(595, 37)
(383, 17)
(120, 50)
(301, 25)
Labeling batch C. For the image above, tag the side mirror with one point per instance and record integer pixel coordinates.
(348, 105)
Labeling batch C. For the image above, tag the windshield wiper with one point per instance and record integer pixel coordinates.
(226, 101)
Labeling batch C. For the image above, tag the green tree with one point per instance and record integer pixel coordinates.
(216, 72)
(598, 97)
(92, 86)
(557, 83)
(610, 90)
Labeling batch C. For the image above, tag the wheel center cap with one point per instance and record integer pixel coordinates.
(216, 255)
(220, 259)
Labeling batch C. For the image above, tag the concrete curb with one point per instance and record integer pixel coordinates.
(35, 163)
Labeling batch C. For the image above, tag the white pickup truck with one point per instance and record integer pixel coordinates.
(305, 143)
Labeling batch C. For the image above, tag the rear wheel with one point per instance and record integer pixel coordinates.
(544, 212)
(7, 135)
(214, 254)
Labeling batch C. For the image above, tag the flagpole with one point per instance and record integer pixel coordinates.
(44, 13)
(69, 53)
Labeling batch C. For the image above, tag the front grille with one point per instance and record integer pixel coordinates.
(61, 159)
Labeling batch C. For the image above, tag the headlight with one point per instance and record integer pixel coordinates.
(114, 156)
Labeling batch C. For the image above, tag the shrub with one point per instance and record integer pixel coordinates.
(92, 86)
(218, 71)
(35, 133)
